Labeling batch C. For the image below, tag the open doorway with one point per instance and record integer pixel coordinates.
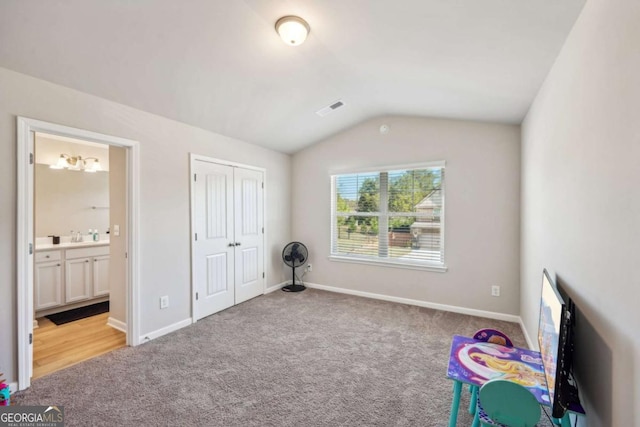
(67, 275)
(79, 288)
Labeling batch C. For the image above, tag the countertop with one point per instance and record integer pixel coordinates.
(68, 245)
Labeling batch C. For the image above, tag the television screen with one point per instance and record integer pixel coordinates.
(550, 339)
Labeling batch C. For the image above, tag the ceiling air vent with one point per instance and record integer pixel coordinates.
(329, 109)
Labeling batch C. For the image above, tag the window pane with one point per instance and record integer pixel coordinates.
(400, 239)
(410, 189)
(419, 241)
(357, 237)
(358, 192)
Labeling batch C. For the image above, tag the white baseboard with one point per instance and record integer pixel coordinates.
(276, 287)
(117, 324)
(35, 324)
(526, 336)
(164, 331)
(13, 387)
(419, 303)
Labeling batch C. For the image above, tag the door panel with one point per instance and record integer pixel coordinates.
(48, 285)
(217, 280)
(101, 276)
(249, 205)
(249, 223)
(213, 246)
(216, 205)
(78, 277)
(249, 265)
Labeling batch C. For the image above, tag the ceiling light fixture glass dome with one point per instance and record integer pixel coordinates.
(293, 30)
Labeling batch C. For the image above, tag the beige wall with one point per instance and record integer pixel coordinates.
(164, 194)
(118, 244)
(580, 203)
(64, 201)
(482, 208)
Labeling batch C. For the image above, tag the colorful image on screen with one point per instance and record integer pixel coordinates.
(549, 332)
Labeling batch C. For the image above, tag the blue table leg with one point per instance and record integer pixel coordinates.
(455, 403)
(476, 420)
(474, 398)
(564, 421)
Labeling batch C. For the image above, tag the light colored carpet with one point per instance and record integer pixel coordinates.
(307, 359)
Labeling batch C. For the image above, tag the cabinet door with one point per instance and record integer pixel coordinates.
(78, 279)
(101, 276)
(48, 285)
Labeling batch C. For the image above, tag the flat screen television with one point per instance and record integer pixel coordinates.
(555, 337)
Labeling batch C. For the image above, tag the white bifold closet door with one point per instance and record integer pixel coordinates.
(228, 245)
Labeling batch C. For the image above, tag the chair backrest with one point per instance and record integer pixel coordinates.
(509, 403)
(493, 336)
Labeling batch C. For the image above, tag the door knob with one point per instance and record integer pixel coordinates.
(237, 243)
(231, 245)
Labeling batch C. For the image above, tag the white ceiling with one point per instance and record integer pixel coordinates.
(219, 64)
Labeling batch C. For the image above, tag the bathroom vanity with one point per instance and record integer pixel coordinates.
(70, 275)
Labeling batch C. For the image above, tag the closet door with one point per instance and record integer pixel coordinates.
(249, 232)
(213, 244)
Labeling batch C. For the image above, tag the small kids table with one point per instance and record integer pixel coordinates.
(476, 362)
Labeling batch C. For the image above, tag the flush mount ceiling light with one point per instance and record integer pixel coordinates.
(293, 30)
(77, 163)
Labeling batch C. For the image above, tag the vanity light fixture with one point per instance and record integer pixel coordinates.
(77, 163)
(293, 30)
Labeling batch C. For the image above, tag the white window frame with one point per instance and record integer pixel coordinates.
(440, 267)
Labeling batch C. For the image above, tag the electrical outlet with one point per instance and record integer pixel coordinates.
(309, 267)
(164, 301)
(495, 291)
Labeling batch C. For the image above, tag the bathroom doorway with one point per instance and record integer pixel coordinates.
(79, 288)
(77, 246)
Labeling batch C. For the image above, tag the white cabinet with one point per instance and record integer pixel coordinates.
(87, 273)
(101, 276)
(70, 278)
(48, 280)
(77, 280)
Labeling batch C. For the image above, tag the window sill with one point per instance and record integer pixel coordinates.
(383, 263)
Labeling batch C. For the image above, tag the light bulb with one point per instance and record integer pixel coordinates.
(60, 164)
(95, 167)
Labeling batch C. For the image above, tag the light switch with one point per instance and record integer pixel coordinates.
(116, 230)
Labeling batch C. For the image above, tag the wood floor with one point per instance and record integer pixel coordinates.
(57, 347)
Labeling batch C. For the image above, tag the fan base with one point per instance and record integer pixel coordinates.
(294, 288)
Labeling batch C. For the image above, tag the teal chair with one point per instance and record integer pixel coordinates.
(505, 403)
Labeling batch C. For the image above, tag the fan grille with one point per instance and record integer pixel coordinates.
(295, 254)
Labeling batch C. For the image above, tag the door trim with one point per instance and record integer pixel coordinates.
(198, 157)
(26, 129)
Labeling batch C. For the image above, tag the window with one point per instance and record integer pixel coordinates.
(393, 217)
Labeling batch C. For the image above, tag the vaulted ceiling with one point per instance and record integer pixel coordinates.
(219, 64)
